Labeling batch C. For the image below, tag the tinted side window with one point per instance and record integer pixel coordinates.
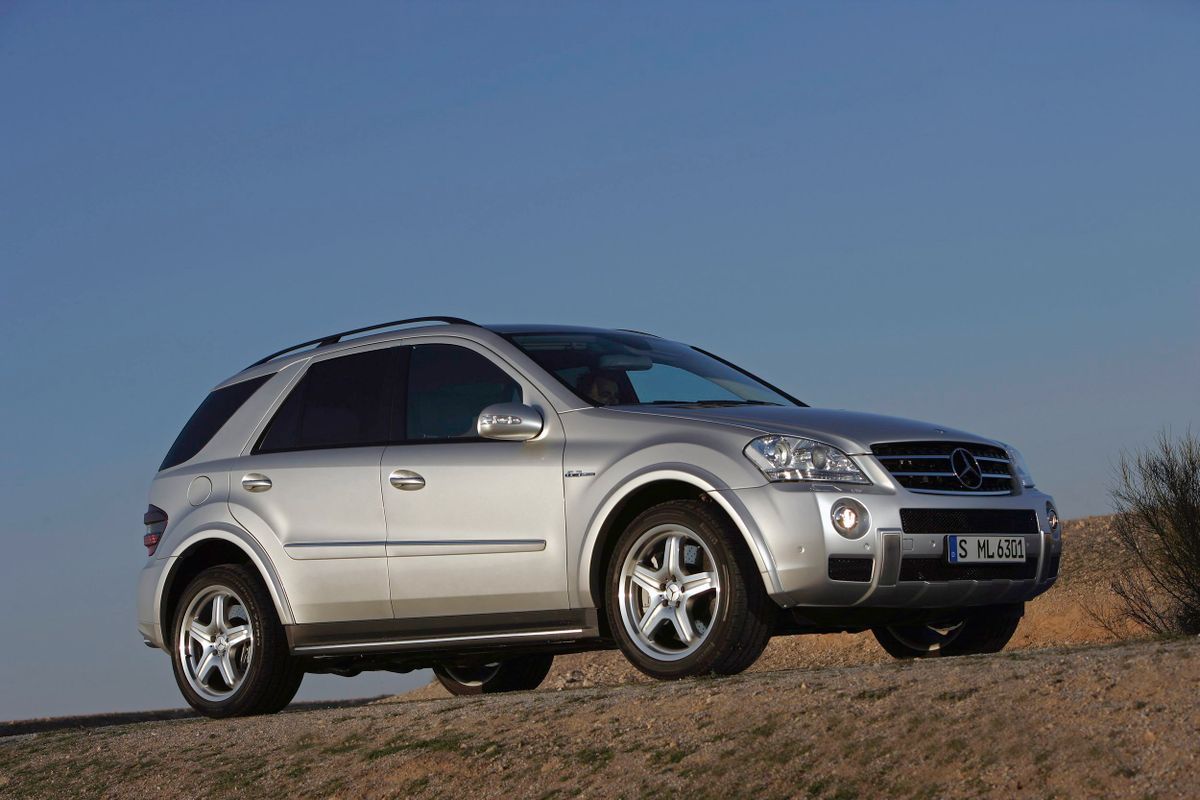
(447, 388)
(341, 402)
(209, 418)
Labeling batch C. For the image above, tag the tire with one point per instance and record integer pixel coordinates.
(251, 670)
(730, 624)
(986, 629)
(516, 674)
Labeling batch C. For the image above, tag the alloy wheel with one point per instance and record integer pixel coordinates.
(927, 638)
(216, 643)
(669, 592)
(472, 676)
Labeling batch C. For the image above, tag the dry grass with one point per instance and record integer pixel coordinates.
(825, 717)
(1116, 720)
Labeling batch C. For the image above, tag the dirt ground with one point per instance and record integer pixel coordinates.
(1058, 617)
(1065, 712)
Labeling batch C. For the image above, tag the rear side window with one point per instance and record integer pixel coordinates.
(341, 402)
(447, 388)
(209, 418)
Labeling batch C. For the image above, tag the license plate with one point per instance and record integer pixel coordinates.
(985, 549)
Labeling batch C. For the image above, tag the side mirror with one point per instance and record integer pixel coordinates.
(509, 422)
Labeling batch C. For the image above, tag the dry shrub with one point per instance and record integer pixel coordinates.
(1157, 500)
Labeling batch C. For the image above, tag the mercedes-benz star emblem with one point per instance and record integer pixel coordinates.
(966, 468)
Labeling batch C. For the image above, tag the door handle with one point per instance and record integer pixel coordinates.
(255, 482)
(406, 480)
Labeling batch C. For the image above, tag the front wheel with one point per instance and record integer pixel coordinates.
(519, 673)
(981, 630)
(229, 651)
(683, 595)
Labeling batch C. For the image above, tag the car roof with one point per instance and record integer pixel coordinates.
(459, 327)
(514, 329)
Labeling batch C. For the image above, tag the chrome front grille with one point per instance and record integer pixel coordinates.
(933, 467)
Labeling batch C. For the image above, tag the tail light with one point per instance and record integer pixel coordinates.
(156, 523)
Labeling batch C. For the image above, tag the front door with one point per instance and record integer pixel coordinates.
(474, 526)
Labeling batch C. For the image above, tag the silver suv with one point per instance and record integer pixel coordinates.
(476, 499)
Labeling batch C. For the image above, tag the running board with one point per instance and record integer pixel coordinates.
(442, 633)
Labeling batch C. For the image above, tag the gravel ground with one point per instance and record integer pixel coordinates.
(1118, 720)
(819, 716)
(1058, 617)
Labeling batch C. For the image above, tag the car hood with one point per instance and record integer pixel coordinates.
(850, 431)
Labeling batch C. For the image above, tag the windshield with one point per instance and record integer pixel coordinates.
(616, 369)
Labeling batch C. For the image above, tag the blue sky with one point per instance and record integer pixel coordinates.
(982, 216)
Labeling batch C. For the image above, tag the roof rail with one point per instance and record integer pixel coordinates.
(334, 338)
(640, 333)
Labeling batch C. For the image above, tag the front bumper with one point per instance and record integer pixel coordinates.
(907, 569)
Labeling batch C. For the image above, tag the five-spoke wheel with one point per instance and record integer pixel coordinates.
(986, 629)
(216, 642)
(670, 592)
(229, 651)
(512, 674)
(684, 597)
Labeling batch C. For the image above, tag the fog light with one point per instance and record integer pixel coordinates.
(1052, 520)
(846, 518)
(850, 518)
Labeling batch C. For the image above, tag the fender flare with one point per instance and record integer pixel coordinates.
(241, 539)
(703, 480)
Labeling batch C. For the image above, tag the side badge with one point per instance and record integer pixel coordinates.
(577, 473)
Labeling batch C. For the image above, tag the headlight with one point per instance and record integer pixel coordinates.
(1018, 462)
(790, 458)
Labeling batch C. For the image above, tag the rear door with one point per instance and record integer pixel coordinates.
(485, 533)
(312, 481)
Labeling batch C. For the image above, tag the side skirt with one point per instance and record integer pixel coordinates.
(455, 633)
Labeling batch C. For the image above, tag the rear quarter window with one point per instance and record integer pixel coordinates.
(209, 418)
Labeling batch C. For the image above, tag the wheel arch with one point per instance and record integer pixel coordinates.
(649, 489)
(208, 548)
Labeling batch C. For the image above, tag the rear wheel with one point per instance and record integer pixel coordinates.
(229, 651)
(519, 673)
(982, 630)
(683, 594)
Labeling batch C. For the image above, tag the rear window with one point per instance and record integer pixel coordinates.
(342, 402)
(212, 414)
